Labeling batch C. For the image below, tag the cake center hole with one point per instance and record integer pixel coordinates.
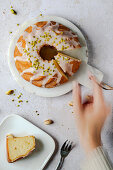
(48, 52)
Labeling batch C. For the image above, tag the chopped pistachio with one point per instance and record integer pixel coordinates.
(40, 14)
(18, 105)
(39, 41)
(11, 6)
(62, 48)
(53, 42)
(26, 101)
(17, 24)
(18, 96)
(10, 32)
(12, 100)
(13, 12)
(48, 39)
(20, 101)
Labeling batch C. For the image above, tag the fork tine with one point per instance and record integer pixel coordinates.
(63, 146)
(66, 147)
(70, 147)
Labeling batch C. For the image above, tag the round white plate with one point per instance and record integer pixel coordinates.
(81, 53)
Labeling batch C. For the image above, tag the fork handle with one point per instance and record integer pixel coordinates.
(60, 163)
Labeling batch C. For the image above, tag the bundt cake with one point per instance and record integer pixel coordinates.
(37, 56)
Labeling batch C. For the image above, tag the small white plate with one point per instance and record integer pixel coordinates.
(81, 53)
(18, 126)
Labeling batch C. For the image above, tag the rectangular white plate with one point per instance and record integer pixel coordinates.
(18, 126)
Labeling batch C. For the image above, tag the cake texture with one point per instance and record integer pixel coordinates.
(37, 56)
(19, 147)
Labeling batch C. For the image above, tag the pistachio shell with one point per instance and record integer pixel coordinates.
(48, 122)
(9, 92)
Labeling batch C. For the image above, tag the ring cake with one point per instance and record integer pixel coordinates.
(38, 56)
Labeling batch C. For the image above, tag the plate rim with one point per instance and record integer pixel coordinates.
(45, 133)
(44, 92)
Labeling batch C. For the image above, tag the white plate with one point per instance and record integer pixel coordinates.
(80, 53)
(18, 126)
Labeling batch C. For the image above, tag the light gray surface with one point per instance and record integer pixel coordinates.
(95, 18)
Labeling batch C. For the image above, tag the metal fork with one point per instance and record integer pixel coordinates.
(65, 149)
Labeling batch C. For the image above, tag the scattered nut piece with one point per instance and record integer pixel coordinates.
(11, 6)
(10, 32)
(12, 100)
(13, 12)
(71, 103)
(20, 101)
(9, 92)
(17, 24)
(26, 101)
(48, 122)
(40, 14)
(18, 105)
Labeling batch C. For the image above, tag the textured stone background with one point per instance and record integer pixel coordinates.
(95, 19)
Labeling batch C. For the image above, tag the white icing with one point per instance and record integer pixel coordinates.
(65, 63)
(48, 34)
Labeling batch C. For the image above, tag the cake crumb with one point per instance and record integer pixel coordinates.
(71, 103)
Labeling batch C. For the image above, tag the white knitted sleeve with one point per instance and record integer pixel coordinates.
(97, 160)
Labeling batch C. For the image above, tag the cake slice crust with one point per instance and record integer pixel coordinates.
(19, 147)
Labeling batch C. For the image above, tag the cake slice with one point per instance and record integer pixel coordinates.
(19, 147)
(69, 65)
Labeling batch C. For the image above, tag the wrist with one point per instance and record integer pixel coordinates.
(92, 144)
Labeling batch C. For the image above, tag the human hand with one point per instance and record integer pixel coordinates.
(90, 116)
